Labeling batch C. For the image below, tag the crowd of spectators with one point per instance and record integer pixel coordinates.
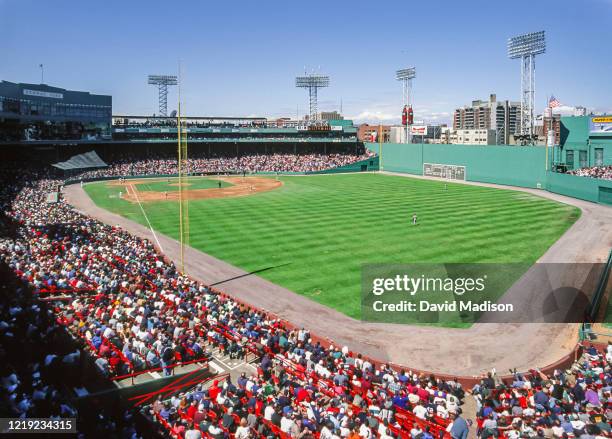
(603, 172)
(31, 366)
(169, 122)
(262, 138)
(42, 369)
(246, 163)
(575, 402)
(285, 401)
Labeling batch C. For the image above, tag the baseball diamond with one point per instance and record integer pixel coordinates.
(313, 233)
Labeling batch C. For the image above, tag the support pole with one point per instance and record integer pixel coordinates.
(183, 172)
(380, 148)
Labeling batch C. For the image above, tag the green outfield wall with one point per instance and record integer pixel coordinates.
(523, 166)
(590, 189)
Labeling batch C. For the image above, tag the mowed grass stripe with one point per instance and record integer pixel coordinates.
(318, 231)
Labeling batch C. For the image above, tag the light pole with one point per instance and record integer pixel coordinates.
(406, 76)
(312, 82)
(525, 47)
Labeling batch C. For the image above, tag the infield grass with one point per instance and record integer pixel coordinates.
(314, 233)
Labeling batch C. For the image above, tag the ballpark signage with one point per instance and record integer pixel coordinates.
(601, 125)
(418, 130)
(452, 172)
(42, 94)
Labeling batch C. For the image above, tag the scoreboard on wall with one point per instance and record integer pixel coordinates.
(452, 172)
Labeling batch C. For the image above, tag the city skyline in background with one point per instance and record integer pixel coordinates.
(242, 59)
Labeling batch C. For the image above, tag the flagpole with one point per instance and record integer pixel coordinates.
(42, 74)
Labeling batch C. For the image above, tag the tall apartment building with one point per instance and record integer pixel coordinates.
(501, 116)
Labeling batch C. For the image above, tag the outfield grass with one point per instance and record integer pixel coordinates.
(317, 231)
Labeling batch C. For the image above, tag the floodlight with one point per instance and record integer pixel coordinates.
(312, 82)
(403, 74)
(525, 47)
(162, 82)
(528, 44)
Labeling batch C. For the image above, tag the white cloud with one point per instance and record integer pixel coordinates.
(376, 116)
(564, 110)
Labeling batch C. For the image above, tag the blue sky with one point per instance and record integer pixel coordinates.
(241, 57)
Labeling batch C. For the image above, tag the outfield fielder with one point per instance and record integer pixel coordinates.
(414, 219)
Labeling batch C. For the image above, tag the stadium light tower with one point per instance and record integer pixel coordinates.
(313, 82)
(526, 47)
(162, 82)
(406, 76)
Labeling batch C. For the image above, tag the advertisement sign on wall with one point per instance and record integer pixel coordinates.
(601, 125)
(418, 130)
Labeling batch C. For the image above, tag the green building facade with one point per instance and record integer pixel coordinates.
(585, 141)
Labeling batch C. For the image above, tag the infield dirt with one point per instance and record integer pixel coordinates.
(240, 187)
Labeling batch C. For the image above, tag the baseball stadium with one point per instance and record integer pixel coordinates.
(189, 276)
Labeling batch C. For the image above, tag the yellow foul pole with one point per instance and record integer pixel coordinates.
(380, 148)
(179, 130)
(185, 201)
(182, 160)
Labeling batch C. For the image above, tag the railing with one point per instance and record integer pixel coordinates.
(600, 290)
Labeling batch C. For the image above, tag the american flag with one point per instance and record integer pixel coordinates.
(553, 102)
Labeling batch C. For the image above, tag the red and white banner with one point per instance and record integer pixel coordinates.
(418, 130)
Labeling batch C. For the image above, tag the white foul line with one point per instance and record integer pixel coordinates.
(146, 217)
